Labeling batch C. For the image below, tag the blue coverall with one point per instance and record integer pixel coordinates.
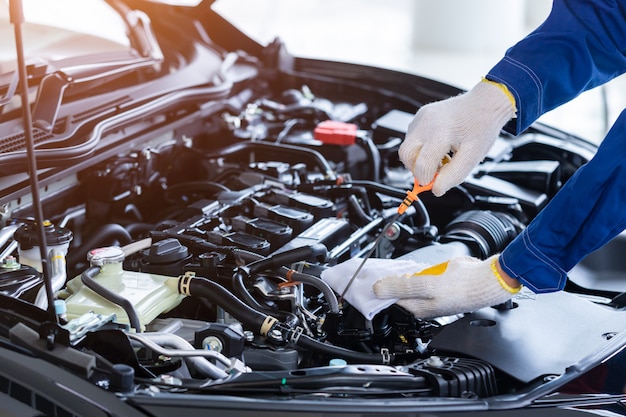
(581, 45)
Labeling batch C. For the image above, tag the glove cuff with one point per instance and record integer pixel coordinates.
(501, 281)
(504, 89)
(493, 100)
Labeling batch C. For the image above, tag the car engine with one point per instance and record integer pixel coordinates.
(192, 258)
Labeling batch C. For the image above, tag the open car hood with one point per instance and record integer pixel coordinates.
(193, 194)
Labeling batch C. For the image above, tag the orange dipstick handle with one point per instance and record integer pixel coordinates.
(411, 195)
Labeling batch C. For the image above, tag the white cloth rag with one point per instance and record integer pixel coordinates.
(360, 294)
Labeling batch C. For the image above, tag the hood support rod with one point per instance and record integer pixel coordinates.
(16, 12)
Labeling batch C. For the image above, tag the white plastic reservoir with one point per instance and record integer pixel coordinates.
(150, 294)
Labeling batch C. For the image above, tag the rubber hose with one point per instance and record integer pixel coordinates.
(288, 318)
(214, 292)
(202, 287)
(358, 216)
(87, 278)
(140, 229)
(339, 352)
(398, 193)
(104, 236)
(370, 148)
(301, 253)
(312, 280)
(259, 148)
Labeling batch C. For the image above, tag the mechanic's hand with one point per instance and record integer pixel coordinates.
(466, 126)
(460, 285)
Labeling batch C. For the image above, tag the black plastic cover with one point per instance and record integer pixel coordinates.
(543, 335)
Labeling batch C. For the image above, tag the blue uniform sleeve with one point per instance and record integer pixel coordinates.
(581, 45)
(585, 214)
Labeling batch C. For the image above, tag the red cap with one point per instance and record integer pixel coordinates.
(335, 133)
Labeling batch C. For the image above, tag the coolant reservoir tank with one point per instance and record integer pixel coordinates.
(150, 294)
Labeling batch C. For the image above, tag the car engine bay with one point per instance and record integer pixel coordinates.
(189, 257)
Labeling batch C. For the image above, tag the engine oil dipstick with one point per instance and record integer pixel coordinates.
(411, 196)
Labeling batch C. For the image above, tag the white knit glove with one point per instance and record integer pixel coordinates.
(466, 125)
(460, 285)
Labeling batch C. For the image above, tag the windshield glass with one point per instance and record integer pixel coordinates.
(61, 29)
(328, 29)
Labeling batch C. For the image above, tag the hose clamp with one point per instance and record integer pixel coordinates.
(267, 325)
(295, 335)
(386, 356)
(185, 282)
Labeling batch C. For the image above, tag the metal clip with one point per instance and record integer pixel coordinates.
(89, 321)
